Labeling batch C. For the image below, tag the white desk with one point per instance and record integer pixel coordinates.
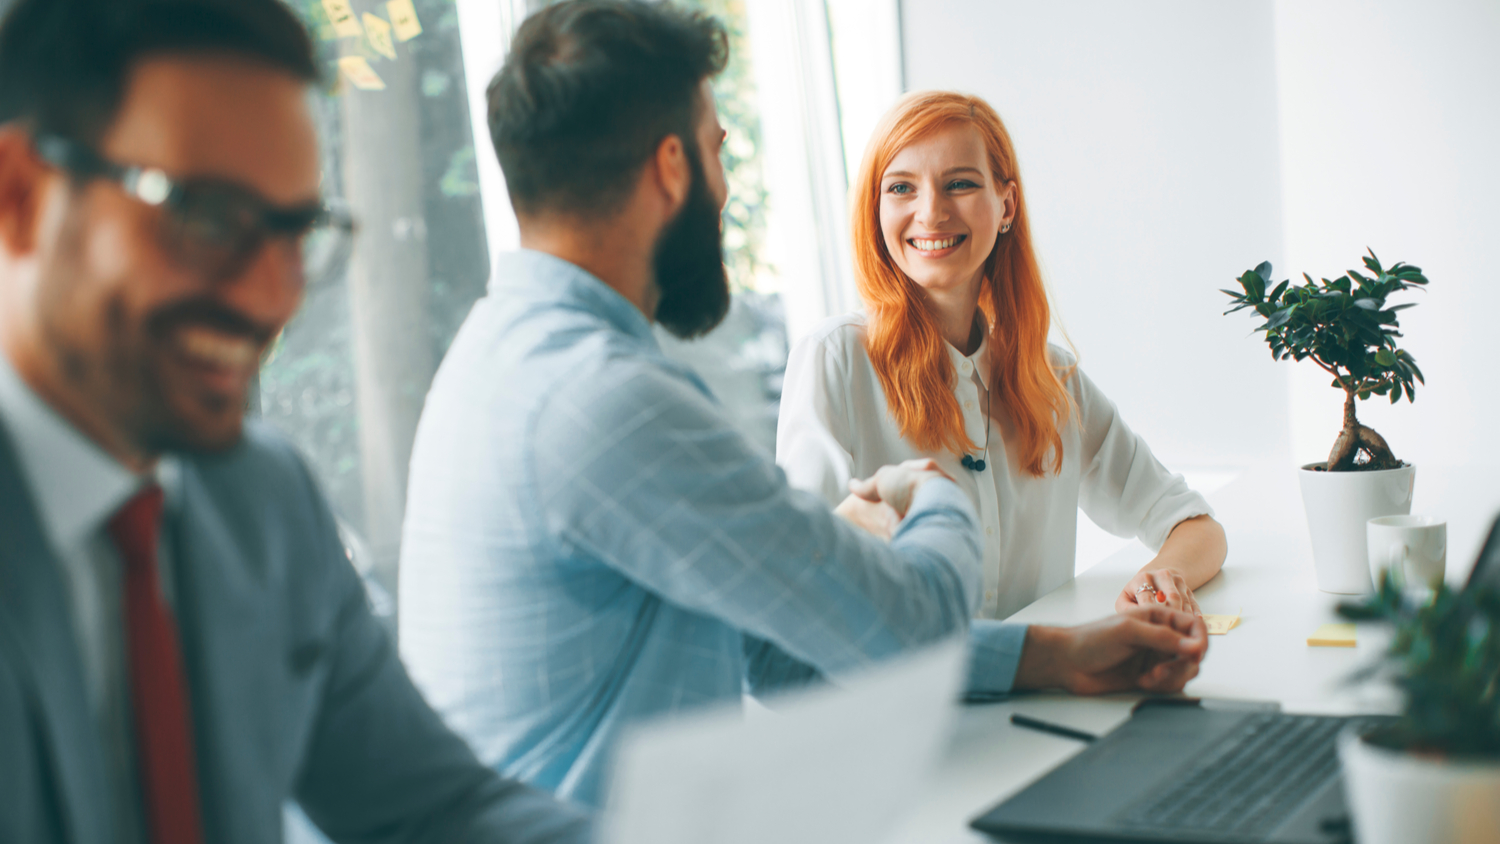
(1268, 578)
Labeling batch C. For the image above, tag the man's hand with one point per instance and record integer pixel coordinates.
(1151, 649)
(874, 517)
(897, 485)
(1165, 587)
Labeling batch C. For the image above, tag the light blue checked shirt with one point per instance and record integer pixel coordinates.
(590, 542)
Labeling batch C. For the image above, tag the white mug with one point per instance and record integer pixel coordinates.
(1414, 548)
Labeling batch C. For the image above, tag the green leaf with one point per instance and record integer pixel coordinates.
(1385, 358)
(1280, 288)
(1263, 269)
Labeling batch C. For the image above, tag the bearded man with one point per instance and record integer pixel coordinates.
(588, 540)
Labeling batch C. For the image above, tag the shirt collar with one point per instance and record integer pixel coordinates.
(980, 359)
(75, 484)
(549, 278)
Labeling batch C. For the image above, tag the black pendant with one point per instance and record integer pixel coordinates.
(971, 464)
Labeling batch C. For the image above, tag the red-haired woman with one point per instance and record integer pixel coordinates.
(951, 362)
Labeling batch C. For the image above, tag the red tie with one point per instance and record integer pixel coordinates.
(158, 692)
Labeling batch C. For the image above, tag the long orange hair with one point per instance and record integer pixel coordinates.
(903, 340)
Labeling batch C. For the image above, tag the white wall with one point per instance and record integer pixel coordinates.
(1390, 125)
(1147, 139)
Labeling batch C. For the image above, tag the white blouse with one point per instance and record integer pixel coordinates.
(835, 425)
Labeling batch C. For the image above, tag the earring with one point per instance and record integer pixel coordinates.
(1005, 228)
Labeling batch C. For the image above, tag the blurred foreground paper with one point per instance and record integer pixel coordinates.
(358, 69)
(404, 19)
(836, 764)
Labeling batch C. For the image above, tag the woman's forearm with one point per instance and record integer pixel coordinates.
(1196, 549)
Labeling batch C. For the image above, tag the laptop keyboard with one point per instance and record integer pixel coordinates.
(1250, 782)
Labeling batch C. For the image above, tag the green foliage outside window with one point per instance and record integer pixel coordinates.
(739, 112)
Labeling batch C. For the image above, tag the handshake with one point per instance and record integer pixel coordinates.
(1142, 648)
(879, 502)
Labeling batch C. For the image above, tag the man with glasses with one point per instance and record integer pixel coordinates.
(183, 645)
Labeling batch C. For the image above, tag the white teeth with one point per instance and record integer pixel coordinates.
(935, 245)
(216, 348)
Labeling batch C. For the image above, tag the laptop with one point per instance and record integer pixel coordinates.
(1202, 773)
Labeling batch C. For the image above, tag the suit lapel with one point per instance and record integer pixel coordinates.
(230, 645)
(36, 619)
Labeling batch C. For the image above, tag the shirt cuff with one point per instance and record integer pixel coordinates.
(1172, 511)
(936, 495)
(994, 655)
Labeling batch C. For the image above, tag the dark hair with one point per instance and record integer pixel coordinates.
(64, 63)
(588, 92)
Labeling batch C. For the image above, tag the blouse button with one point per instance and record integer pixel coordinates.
(989, 531)
(966, 367)
(969, 404)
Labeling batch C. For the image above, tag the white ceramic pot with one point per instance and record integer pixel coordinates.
(1398, 798)
(1339, 505)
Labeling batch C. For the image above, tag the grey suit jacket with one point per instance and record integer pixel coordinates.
(296, 691)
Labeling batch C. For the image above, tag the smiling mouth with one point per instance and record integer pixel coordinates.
(216, 362)
(925, 245)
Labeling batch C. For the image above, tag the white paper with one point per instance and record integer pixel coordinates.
(830, 765)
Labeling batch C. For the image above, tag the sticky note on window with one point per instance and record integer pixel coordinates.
(359, 72)
(1218, 625)
(1332, 636)
(379, 33)
(404, 19)
(341, 15)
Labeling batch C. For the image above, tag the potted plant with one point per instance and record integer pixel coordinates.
(1344, 327)
(1433, 774)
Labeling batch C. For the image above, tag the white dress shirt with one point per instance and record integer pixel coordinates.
(835, 425)
(76, 488)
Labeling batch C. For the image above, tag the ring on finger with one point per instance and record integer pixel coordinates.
(1148, 587)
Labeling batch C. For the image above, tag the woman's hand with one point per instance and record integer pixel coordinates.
(1193, 553)
(1161, 587)
(897, 485)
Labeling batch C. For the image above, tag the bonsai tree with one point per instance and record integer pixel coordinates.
(1445, 657)
(1344, 327)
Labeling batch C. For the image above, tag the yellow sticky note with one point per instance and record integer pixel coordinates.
(379, 33)
(361, 74)
(1332, 636)
(1218, 625)
(341, 15)
(404, 19)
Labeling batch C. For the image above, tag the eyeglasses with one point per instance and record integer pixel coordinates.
(214, 227)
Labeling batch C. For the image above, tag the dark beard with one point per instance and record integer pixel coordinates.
(689, 264)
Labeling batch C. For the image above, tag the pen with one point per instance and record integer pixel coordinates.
(1048, 727)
